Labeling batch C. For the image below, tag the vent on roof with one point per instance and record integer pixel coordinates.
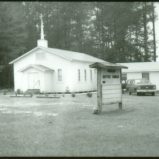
(40, 55)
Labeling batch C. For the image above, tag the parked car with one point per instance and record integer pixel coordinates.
(140, 87)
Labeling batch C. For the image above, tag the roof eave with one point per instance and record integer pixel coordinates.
(137, 71)
(101, 65)
(84, 61)
(36, 67)
(17, 59)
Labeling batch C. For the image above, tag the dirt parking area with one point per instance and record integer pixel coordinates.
(67, 127)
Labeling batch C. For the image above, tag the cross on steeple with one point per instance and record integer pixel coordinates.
(42, 28)
(42, 42)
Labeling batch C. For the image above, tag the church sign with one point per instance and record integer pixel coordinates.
(109, 87)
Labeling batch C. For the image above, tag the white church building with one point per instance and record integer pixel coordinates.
(54, 70)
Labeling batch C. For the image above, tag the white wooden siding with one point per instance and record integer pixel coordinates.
(82, 85)
(154, 78)
(111, 87)
(69, 73)
(134, 75)
(111, 93)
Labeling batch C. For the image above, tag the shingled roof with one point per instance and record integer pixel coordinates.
(141, 66)
(106, 65)
(68, 55)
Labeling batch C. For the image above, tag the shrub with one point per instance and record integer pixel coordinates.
(18, 91)
(73, 94)
(63, 94)
(4, 92)
(89, 94)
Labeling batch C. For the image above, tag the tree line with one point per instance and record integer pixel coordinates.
(112, 31)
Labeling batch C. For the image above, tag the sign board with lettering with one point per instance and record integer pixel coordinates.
(109, 86)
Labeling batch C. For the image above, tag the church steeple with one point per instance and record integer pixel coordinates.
(42, 42)
(42, 27)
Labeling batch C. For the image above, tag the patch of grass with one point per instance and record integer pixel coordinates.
(75, 130)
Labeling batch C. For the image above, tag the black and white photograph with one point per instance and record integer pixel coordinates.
(79, 79)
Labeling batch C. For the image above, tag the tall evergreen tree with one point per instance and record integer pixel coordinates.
(113, 31)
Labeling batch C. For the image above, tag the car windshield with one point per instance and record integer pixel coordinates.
(140, 81)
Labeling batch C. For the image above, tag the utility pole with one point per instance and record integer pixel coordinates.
(154, 34)
(145, 31)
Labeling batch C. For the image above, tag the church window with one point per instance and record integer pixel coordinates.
(79, 75)
(91, 75)
(145, 75)
(85, 75)
(59, 74)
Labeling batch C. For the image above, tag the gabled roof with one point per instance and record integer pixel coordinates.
(20, 57)
(38, 67)
(106, 65)
(68, 55)
(74, 56)
(141, 66)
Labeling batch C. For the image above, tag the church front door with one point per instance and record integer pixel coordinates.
(33, 80)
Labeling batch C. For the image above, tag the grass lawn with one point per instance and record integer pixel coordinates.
(67, 127)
